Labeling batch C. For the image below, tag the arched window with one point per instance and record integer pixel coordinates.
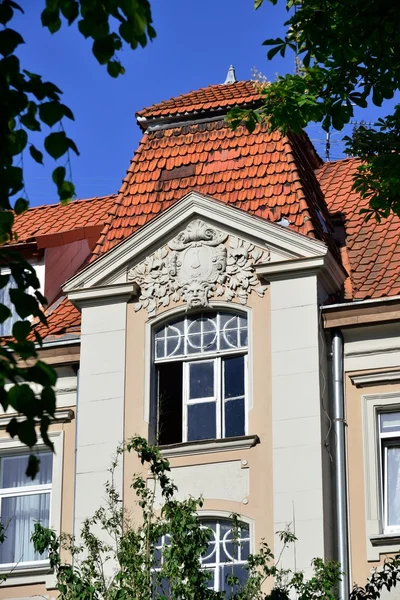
(227, 553)
(201, 365)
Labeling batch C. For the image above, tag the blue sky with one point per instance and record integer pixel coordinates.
(196, 42)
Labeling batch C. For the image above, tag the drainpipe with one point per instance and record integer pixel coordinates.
(340, 471)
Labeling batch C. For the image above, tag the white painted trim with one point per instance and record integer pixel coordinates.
(266, 234)
(120, 292)
(375, 378)
(331, 273)
(40, 573)
(61, 416)
(208, 447)
(372, 404)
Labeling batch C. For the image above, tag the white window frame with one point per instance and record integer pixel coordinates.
(378, 539)
(216, 356)
(15, 492)
(218, 516)
(34, 571)
(386, 440)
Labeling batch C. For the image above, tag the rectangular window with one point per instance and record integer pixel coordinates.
(389, 432)
(23, 503)
(201, 400)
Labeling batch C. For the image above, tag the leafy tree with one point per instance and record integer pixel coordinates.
(124, 563)
(29, 104)
(348, 54)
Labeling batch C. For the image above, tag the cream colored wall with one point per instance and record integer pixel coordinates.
(44, 585)
(357, 489)
(257, 504)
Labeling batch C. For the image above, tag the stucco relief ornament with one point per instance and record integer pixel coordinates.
(196, 266)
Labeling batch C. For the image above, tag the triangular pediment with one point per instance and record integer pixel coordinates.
(198, 240)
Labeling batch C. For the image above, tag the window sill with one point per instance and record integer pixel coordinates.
(386, 539)
(27, 574)
(209, 446)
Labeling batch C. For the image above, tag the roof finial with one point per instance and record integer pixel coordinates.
(231, 76)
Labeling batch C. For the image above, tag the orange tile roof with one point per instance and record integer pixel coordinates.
(265, 174)
(57, 218)
(373, 249)
(63, 320)
(211, 98)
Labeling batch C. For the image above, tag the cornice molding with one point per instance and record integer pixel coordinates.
(61, 416)
(102, 294)
(375, 378)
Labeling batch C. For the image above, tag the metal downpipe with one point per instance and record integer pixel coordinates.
(340, 470)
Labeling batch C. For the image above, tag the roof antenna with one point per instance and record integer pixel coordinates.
(231, 76)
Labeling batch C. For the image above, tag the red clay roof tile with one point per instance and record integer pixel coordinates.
(372, 248)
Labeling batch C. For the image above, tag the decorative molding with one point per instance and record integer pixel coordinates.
(210, 446)
(198, 265)
(386, 539)
(61, 416)
(375, 378)
(103, 295)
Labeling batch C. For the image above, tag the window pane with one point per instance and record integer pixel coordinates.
(238, 571)
(202, 421)
(390, 422)
(234, 377)
(13, 471)
(393, 486)
(170, 403)
(19, 515)
(234, 417)
(201, 380)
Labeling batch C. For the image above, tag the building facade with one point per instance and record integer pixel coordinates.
(198, 308)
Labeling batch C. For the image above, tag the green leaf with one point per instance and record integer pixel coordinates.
(257, 4)
(36, 154)
(5, 313)
(20, 206)
(58, 175)
(27, 432)
(18, 140)
(9, 41)
(25, 304)
(56, 144)
(12, 427)
(51, 19)
(49, 400)
(70, 10)
(6, 13)
(104, 49)
(33, 466)
(21, 330)
(115, 68)
(52, 112)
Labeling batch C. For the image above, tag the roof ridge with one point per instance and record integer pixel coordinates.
(58, 204)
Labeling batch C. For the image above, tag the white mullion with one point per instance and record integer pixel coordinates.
(217, 556)
(25, 490)
(220, 420)
(385, 494)
(185, 393)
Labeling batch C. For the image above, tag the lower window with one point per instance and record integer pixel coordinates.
(23, 503)
(226, 554)
(389, 431)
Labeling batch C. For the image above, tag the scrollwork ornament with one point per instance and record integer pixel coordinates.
(197, 266)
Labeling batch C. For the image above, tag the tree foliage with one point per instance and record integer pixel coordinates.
(29, 104)
(349, 56)
(123, 562)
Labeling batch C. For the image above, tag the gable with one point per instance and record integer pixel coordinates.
(229, 245)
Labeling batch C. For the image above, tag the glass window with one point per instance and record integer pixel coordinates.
(226, 555)
(201, 364)
(389, 431)
(23, 503)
